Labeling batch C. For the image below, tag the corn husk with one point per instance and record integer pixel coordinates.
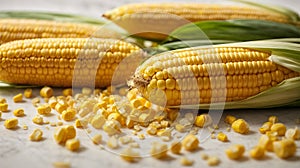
(286, 53)
(233, 30)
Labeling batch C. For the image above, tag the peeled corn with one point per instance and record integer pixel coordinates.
(53, 61)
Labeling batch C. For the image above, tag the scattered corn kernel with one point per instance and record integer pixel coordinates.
(35, 101)
(59, 123)
(67, 92)
(213, 136)
(86, 91)
(151, 130)
(4, 107)
(137, 128)
(176, 147)
(141, 136)
(265, 127)
(69, 114)
(73, 144)
(273, 119)
(36, 135)
(266, 142)
(18, 98)
(240, 126)
(38, 120)
(235, 152)
(112, 127)
(112, 143)
(11, 123)
(190, 142)
(213, 161)
(279, 128)
(222, 137)
(44, 109)
(186, 161)
(98, 121)
(70, 131)
(257, 152)
(180, 128)
(293, 133)
(285, 148)
(130, 155)
(158, 150)
(19, 112)
(134, 145)
(53, 124)
(2, 100)
(61, 164)
(125, 139)
(60, 135)
(46, 92)
(28, 93)
(229, 119)
(81, 123)
(25, 127)
(59, 107)
(203, 120)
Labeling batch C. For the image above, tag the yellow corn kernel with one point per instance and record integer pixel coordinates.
(116, 116)
(28, 93)
(229, 119)
(164, 123)
(86, 91)
(279, 128)
(130, 155)
(35, 101)
(132, 94)
(70, 131)
(112, 127)
(213, 136)
(46, 92)
(186, 161)
(125, 139)
(130, 122)
(36, 135)
(81, 123)
(222, 137)
(235, 152)
(141, 136)
(273, 119)
(44, 109)
(25, 127)
(257, 152)
(172, 114)
(59, 123)
(60, 107)
(52, 102)
(151, 130)
(285, 148)
(203, 120)
(4, 107)
(137, 128)
(19, 112)
(240, 126)
(60, 135)
(73, 144)
(293, 133)
(164, 132)
(213, 161)
(176, 147)
(190, 142)
(18, 98)
(38, 120)
(67, 92)
(98, 121)
(180, 128)
(69, 114)
(97, 139)
(265, 127)
(158, 150)
(2, 100)
(112, 143)
(61, 164)
(266, 142)
(11, 123)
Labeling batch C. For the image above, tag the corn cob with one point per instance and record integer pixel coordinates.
(54, 61)
(157, 20)
(18, 29)
(208, 75)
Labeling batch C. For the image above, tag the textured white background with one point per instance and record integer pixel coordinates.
(17, 151)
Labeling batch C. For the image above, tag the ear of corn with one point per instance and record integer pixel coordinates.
(232, 30)
(157, 20)
(243, 75)
(67, 61)
(18, 29)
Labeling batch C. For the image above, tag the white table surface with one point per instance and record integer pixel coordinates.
(17, 151)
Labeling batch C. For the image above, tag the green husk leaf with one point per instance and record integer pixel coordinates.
(62, 17)
(286, 93)
(234, 30)
(292, 15)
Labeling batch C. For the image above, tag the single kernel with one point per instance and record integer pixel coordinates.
(190, 142)
(176, 147)
(112, 143)
(46, 92)
(38, 120)
(61, 165)
(213, 161)
(67, 92)
(25, 127)
(186, 161)
(97, 139)
(2, 100)
(203, 120)
(28, 93)
(36, 135)
(265, 127)
(44, 109)
(273, 119)
(293, 133)
(18, 98)
(35, 101)
(158, 150)
(69, 114)
(240, 126)
(257, 152)
(229, 119)
(222, 137)
(19, 112)
(73, 144)
(235, 152)
(285, 148)
(81, 123)
(279, 128)
(11, 123)
(4, 107)
(130, 155)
